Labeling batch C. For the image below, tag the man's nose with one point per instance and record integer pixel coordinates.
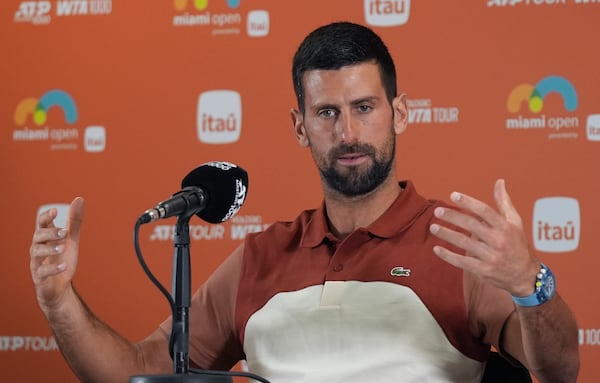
(348, 128)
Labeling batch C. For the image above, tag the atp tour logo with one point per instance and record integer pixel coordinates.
(27, 343)
(556, 224)
(35, 12)
(38, 12)
(219, 118)
(534, 97)
(386, 13)
(37, 111)
(236, 229)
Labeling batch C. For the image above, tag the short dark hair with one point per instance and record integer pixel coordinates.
(340, 44)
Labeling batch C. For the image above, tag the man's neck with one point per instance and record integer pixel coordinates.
(346, 214)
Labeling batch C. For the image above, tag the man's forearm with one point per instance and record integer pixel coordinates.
(94, 351)
(550, 341)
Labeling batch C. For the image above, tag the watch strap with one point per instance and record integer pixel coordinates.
(539, 295)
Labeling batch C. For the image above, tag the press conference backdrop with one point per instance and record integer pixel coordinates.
(117, 101)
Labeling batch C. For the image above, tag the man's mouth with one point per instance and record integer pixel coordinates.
(352, 158)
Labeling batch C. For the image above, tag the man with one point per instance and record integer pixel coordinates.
(378, 284)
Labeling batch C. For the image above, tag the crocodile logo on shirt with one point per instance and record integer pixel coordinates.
(400, 271)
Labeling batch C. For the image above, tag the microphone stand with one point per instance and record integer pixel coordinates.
(181, 295)
(181, 292)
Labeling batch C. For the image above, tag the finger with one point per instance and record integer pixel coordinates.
(51, 234)
(46, 218)
(468, 243)
(75, 217)
(45, 254)
(477, 207)
(455, 259)
(464, 221)
(504, 203)
(46, 261)
(48, 270)
(43, 251)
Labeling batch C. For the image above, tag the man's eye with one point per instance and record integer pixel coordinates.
(327, 113)
(364, 108)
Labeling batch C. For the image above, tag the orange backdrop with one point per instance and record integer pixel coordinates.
(117, 101)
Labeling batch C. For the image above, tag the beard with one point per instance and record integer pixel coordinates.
(355, 180)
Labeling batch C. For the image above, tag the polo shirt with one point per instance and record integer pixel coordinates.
(299, 305)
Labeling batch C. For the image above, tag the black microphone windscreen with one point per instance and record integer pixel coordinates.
(226, 186)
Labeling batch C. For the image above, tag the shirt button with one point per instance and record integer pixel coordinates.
(338, 267)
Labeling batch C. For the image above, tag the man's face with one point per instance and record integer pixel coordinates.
(348, 124)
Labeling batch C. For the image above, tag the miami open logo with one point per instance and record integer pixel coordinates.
(534, 97)
(38, 109)
(201, 5)
(196, 13)
(32, 115)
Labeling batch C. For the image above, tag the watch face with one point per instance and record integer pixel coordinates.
(548, 287)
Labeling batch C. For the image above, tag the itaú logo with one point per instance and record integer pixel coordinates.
(593, 127)
(257, 23)
(386, 13)
(219, 119)
(556, 224)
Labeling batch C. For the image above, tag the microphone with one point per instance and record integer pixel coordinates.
(214, 191)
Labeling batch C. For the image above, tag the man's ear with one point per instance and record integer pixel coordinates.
(400, 113)
(298, 125)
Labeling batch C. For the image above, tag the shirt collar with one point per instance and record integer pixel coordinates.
(400, 215)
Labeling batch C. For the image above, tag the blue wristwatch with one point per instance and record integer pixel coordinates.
(545, 287)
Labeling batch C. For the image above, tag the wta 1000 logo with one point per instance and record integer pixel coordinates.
(533, 98)
(37, 111)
